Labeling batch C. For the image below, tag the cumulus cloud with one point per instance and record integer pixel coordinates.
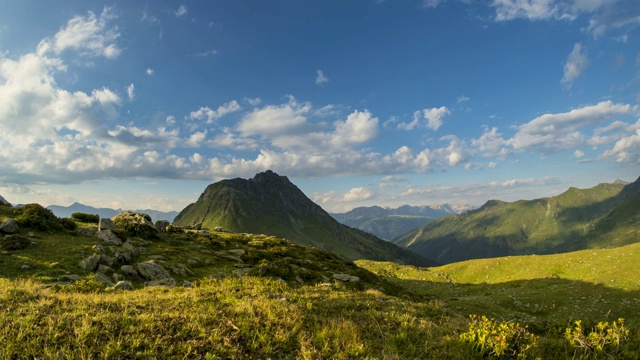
(555, 132)
(526, 9)
(181, 11)
(87, 34)
(627, 148)
(205, 113)
(320, 78)
(149, 71)
(357, 194)
(491, 144)
(432, 116)
(577, 63)
(131, 92)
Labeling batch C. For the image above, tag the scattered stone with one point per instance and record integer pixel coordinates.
(106, 224)
(99, 248)
(346, 278)
(126, 253)
(25, 267)
(90, 263)
(181, 270)
(161, 225)
(85, 232)
(194, 261)
(299, 279)
(131, 272)
(152, 271)
(158, 257)
(14, 242)
(103, 278)
(116, 277)
(9, 226)
(187, 284)
(104, 269)
(109, 237)
(169, 282)
(238, 252)
(123, 285)
(218, 229)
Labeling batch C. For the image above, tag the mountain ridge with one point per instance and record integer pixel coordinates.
(605, 215)
(66, 211)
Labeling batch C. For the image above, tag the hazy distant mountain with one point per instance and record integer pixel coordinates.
(606, 215)
(388, 223)
(270, 204)
(66, 211)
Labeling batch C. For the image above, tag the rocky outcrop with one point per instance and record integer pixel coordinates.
(91, 263)
(109, 237)
(346, 278)
(149, 270)
(161, 225)
(4, 202)
(136, 224)
(106, 224)
(9, 226)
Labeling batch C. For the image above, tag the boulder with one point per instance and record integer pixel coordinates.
(130, 272)
(162, 225)
(71, 277)
(101, 277)
(181, 270)
(169, 282)
(136, 224)
(9, 226)
(238, 252)
(90, 263)
(152, 271)
(85, 232)
(126, 253)
(104, 269)
(106, 224)
(123, 285)
(14, 242)
(109, 237)
(346, 278)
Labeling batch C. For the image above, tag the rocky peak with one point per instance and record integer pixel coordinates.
(4, 202)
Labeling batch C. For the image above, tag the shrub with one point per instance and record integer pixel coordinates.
(14, 242)
(68, 224)
(503, 339)
(604, 339)
(37, 217)
(86, 218)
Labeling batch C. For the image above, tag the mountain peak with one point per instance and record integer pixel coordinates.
(269, 177)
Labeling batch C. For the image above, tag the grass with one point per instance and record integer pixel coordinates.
(289, 307)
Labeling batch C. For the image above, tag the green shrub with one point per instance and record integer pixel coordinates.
(488, 337)
(14, 242)
(36, 217)
(68, 224)
(604, 339)
(86, 218)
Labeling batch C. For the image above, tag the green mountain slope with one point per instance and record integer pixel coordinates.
(606, 215)
(271, 204)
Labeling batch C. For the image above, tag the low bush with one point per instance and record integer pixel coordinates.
(488, 337)
(604, 339)
(86, 218)
(37, 217)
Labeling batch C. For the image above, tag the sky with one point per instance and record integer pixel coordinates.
(142, 104)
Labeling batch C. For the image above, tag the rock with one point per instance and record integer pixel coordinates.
(136, 224)
(123, 285)
(102, 278)
(187, 284)
(71, 277)
(181, 270)
(25, 267)
(106, 224)
(218, 229)
(9, 226)
(14, 242)
(90, 263)
(85, 232)
(130, 272)
(346, 278)
(99, 248)
(194, 261)
(104, 269)
(161, 225)
(169, 282)
(152, 271)
(158, 257)
(116, 277)
(109, 237)
(126, 253)
(238, 252)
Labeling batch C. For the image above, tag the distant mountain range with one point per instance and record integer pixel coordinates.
(66, 211)
(387, 223)
(270, 204)
(607, 215)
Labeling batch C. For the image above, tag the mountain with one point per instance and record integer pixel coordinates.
(607, 215)
(66, 211)
(271, 204)
(3, 201)
(388, 223)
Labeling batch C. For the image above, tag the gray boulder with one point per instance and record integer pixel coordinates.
(346, 278)
(103, 278)
(136, 224)
(90, 263)
(106, 224)
(85, 232)
(123, 285)
(162, 225)
(152, 271)
(109, 237)
(10, 226)
(130, 272)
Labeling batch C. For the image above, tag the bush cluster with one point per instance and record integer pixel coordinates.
(86, 218)
(604, 339)
(488, 337)
(37, 217)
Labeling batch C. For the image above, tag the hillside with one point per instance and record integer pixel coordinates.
(606, 215)
(66, 211)
(271, 204)
(388, 223)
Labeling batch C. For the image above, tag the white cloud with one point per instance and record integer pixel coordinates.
(357, 194)
(577, 63)
(578, 153)
(462, 98)
(526, 9)
(207, 53)
(149, 71)
(320, 78)
(274, 120)
(431, 3)
(253, 101)
(181, 11)
(627, 148)
(433, 116)
(491, 144)
(131, 92)
(205, 113)
(88, 34)
(555, 132)
(492, 164)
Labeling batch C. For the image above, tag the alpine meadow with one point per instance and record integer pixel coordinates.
(362, 179)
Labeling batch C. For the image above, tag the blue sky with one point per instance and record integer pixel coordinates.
(362, 102)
